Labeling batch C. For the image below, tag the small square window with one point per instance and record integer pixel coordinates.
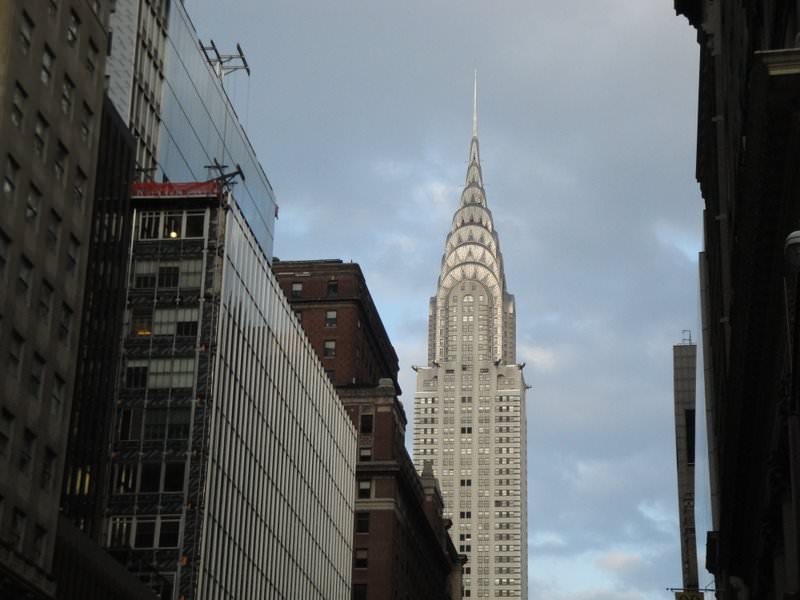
(150, 478)
(145, 533)
(329, 350)
(365, 454)
(174, 476)
(168, 533)
(330, 318)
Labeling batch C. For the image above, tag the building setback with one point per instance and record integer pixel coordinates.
(233, 460)
(469, 407)
(401, 548)
(51, 93)
(747, 148)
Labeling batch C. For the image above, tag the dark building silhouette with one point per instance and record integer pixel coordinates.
(401, 546)
(748, 137)
(85, 476)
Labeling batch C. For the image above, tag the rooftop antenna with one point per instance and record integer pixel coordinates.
(226, 180)
(225, 64)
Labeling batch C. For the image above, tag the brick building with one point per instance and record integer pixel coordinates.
(401, 547)
(331, 299)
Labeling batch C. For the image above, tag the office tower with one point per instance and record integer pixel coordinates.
(51, 89)
(401, 548)
(684, 361)
(749, 87)
(233, 461)
(469, 407)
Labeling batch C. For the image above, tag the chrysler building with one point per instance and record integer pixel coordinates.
(469, 406)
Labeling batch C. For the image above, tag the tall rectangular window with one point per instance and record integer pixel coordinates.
(25, 33)
(73, 248)
(57, 395)
(87, 123)
(136, 374)
(65, 324)
(362, 522)
(73, 28)
(48, 59)
(155, 423)
(333, 287)
(10, 177)
(67, 96)
(18, 101)
(60, 162)
(297, 289)
(33, 204)
(79, 188)
(37, 376)
(24, 276)
(53, 231)
(91, 58)
(329, 349)
(6, 433)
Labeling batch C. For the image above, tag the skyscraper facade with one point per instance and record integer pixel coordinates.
(51, 94)
(469, 406)
(233, 461)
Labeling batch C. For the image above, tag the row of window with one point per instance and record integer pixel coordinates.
(160, 373)
(22, 447)
(332, 289)
(146, 321)
(170, 224)
(24, 537)
(37, 369)
(144, 532)
(147, 478)
(153, 424)
(167, 274)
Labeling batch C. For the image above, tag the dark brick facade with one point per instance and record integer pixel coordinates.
(361, 353)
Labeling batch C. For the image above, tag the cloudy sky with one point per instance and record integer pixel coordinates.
(360, 111)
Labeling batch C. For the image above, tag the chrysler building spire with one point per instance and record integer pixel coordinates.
(472, 389)
(475, 106)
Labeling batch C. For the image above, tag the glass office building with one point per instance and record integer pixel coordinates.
(233, 462)
(161, 81)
